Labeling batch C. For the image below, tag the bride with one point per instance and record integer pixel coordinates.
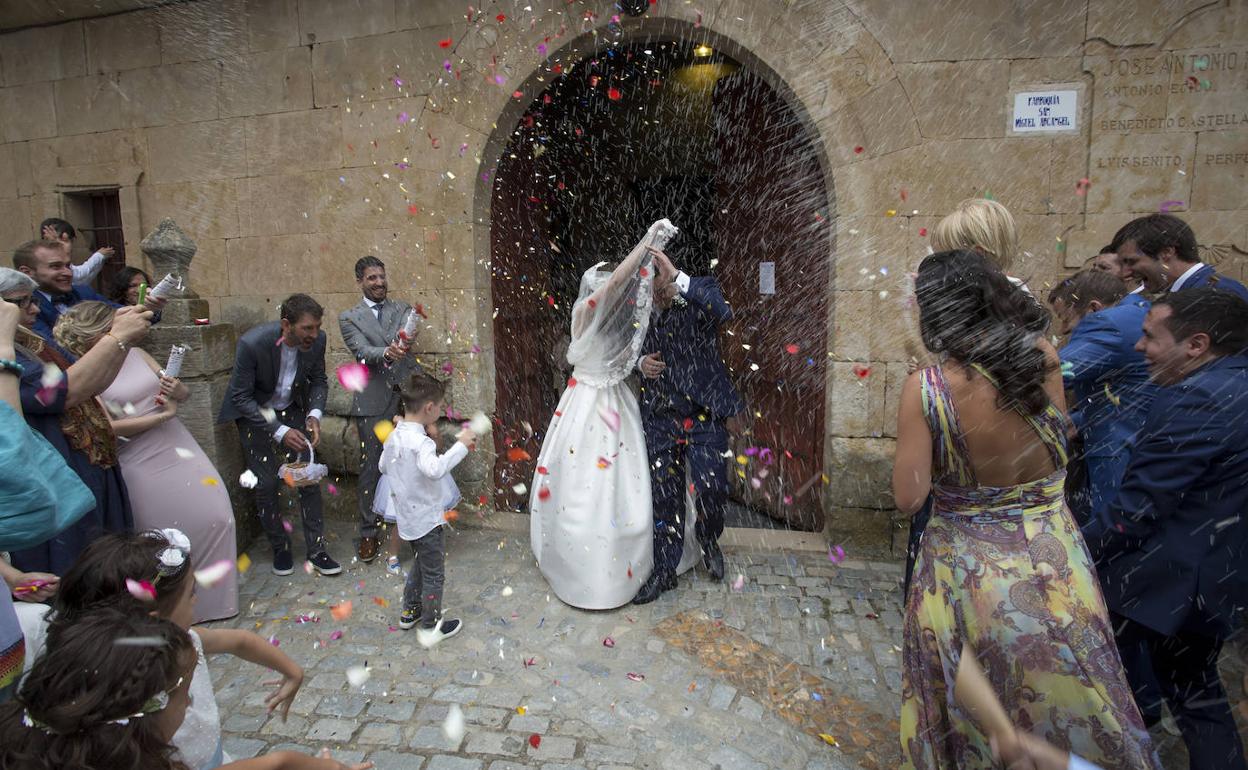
(591, 525)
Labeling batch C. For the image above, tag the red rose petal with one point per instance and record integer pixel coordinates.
(535, 740)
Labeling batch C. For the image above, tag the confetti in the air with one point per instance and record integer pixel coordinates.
(244, 563)
(141, 590)
(353, 377)
(382, 430)
(214, 573)
(610, 417)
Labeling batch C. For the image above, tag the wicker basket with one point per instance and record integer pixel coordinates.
(301, 474)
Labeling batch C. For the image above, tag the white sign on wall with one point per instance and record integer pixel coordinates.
(1046, 111)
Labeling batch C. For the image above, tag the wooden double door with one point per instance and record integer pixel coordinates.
(764, 216)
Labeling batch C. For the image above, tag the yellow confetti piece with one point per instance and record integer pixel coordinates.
(1113, 399)
(244, 563)
(382, 430)
(208, 481)
(520, 710)
(742, 459)
(890, 213)
(828, 739)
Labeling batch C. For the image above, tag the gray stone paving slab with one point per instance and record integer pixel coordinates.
(526, 664)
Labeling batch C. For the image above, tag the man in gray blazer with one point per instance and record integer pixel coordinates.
(370, 330)
(277, 395)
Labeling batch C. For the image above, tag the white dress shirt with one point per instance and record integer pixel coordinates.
(373, 307)
(1188, 273)
(421, 486)
(87, 271)
(285, 384)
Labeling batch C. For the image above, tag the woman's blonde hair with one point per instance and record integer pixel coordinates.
(80, 326)
(980, 224)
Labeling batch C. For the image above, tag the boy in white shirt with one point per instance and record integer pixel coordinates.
(418, 487)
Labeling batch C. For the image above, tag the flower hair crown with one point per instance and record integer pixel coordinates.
(171, 560)
(158, 702)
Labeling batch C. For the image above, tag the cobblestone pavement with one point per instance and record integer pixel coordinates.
(726, 679)
(815, 645)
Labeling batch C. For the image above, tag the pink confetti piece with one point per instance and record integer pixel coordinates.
(836, 554)
(335, 636)
(141, 590)
(333, 490)
(398, 83)
(462, 148)
(214, 573)
(739, 583)
(286, 525)
(636, 677)
(447, 367)
(403, 117)
(608, 642)
(1081, 187)
(610, 417)
(1167, 206)
(446, 64)
(353, 376)
(274, 641)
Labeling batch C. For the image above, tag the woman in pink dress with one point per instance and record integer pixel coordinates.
(172, 483)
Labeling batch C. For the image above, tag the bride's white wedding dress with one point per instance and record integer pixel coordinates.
(591, 525)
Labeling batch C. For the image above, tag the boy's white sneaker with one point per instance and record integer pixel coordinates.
(445, 629)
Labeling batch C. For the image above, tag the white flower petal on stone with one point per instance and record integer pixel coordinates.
(358, 675)
(453, 725)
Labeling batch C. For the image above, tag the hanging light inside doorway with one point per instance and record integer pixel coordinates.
(703, 51)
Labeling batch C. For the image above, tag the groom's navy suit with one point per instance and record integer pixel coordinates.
(683, 412)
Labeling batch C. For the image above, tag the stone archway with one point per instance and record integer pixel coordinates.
(754, 212)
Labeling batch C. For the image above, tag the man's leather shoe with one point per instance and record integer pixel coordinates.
(713, 559)
(369, 548)
(654, 586)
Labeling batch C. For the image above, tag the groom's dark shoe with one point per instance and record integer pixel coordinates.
(713, 559)
(658, 582)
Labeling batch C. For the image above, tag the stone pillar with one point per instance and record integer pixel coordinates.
(206, 368)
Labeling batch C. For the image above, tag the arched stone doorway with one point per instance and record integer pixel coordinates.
(680, 122)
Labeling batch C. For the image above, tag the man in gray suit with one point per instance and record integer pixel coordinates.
(370, 330)
(277, 392)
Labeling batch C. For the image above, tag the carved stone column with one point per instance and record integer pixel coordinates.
(206, 368)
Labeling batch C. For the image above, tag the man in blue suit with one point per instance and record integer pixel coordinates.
(1160, 250)
(1175, 560)
(686, 400)
(1107, 379)
(48, 263)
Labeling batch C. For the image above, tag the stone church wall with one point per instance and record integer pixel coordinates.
(289, 137)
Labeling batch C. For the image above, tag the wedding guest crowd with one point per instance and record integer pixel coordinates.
(1112, 596)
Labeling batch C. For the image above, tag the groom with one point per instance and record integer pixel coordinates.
(686, 400)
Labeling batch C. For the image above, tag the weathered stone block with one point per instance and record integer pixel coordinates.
(27, 112)
(321, 21)
(855, 403)
(266, 81)
(1136, 172)
(88, 104)
(207, 209)
(289, 142)
(211, 150)
(365, 68)
(267, 264)
(16, 224)
(121, 42)
(43, 53)
(860, 472)
(1220, 171)
(209, 29)
(277, 205)
(271, 24)
(957, 100)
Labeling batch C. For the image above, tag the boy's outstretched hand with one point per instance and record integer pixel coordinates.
(467, 438)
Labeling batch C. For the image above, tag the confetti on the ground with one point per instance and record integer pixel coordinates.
(862, 372)
(214, 573)
(141, 590)
(335, 636)
(739, 583)
(836, 554)
(608, 642)
(521, 710)
(828, 739)
(508, 591)
(1167, 206)
(244, 563)
(381, 601)
(358, 675)
(535, 740)
(636, 677)
(453, 726)
(341, 611)
(451, 516)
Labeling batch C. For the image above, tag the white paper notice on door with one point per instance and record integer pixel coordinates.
(766, 277)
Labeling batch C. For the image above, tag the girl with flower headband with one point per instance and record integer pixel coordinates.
(150, 572)
(112, 690)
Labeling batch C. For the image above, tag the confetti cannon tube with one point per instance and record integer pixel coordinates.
(173, 367)
(166, 286)
(408, 331)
